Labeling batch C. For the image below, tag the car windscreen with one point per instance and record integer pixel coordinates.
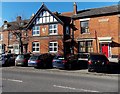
(34, 57)
(20, 57)
(98, 57)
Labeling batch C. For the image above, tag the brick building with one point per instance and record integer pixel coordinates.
(48, 32)
(98, 30)
(9, 36)
(84, 31)
(91, 30)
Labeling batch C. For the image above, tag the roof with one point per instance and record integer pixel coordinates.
(109, 10)
(15, 26)
(43, 7)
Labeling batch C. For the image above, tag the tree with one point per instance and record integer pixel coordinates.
(18, 29)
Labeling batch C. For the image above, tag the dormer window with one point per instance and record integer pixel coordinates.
(5, 26)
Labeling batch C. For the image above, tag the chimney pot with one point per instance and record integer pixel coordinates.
(5, 22)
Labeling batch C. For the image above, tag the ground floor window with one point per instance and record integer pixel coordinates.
(35, 46)
(16, 48)
(53, 47)
(85, 46)
(1, 48)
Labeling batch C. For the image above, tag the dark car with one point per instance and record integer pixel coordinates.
(70, 62)
(43, 61)
(22, 60)
(7, 59)
(97, 62)
(33, 60)
(11, 59)
(3, 59)
(59, 62)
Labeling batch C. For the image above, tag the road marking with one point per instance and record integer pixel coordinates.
(82, 90)
(20, 81)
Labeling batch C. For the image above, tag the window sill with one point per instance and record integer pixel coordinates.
(35, 35)
(86, 33)
(52, 34)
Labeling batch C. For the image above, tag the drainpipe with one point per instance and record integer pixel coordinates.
(72, 41)
(96, 41)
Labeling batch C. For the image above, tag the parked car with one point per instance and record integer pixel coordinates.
(11, 59)
(59, 62)
(83, 59)
(33, 60)
(45, 61)
(22, 60)
(7, 59)
(97, 62)
(3, 59)
(70, 62)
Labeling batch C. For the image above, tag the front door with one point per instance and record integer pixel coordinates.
(105, 49)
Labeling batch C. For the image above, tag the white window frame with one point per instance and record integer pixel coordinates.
(36, 47)
(53, 47)
(35, 30)
(5, 26)
(10, 36)
(16, 51)
(52, 29)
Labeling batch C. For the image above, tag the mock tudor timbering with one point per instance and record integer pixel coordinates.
(84, 31)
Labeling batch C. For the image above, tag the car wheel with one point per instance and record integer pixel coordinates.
(90, 70)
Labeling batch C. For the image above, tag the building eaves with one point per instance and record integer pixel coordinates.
(43, 7)
(109, 10)
(15, 25)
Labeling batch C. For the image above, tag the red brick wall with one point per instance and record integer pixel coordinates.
(45, 38)
(104, 29)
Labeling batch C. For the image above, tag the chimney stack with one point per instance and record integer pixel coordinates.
(18, 18)
(74, 8)
(5, 22)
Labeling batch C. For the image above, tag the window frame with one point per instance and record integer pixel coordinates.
(53, 47)
(86, 48)
(34, 31)
(67, 30)
(84, 29)
(53, 29)
(36, 47)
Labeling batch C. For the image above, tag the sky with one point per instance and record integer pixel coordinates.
(10, 10)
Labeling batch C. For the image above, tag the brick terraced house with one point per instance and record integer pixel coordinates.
(9, 36)
(48, 32)
(84, 31)
(98, 30)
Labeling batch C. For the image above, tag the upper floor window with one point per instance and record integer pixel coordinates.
(53, 47)
(45, 17)
(5, 26)
(35, 46)
(67, 30)
(36, 31)
(53, 29)
(84, 27)
(10, 35)
(1, 37)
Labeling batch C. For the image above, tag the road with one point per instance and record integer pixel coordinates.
(21, 79)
